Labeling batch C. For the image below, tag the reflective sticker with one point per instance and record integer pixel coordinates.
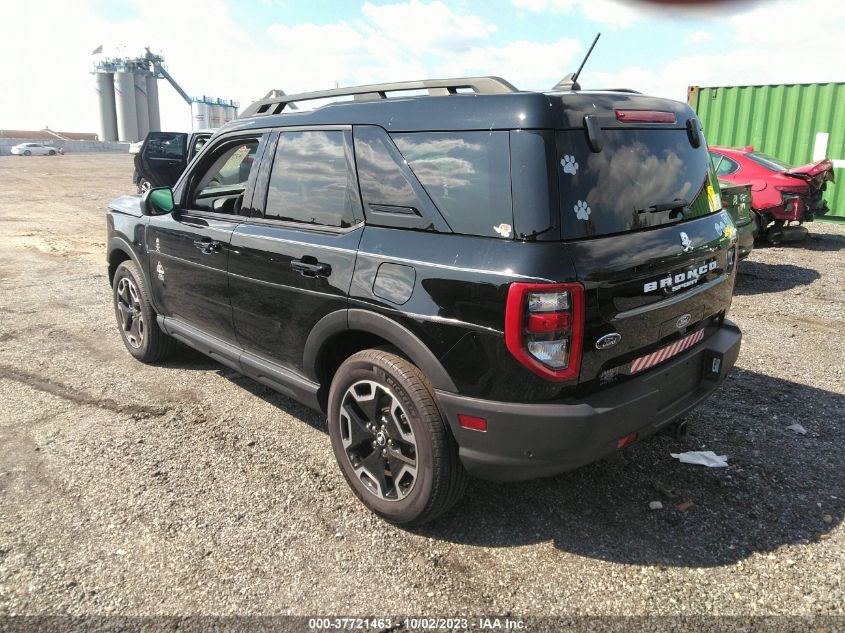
(713, 198)
(569, 165)
(158, 246)
(582, 210)
(160, 271)
(503, 229)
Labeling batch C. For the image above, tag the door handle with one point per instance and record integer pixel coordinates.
(311, 268)
(207, 246)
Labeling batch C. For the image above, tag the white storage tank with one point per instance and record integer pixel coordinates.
(127, 115)
(141, 105)
(104, 86)
(152, 103)
(199, 114)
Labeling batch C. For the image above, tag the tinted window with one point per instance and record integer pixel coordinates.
(641, 178)
(467, 175)
(165, 145)
(770, 162)
(222, 186)
(311, 180)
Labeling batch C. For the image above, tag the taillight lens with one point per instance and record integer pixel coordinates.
(544, 326)
(645, 116)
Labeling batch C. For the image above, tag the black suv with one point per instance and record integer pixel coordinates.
(477, 280)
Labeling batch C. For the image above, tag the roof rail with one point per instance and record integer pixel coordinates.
(276, 100)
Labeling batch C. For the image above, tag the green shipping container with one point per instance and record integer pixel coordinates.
(797, 123)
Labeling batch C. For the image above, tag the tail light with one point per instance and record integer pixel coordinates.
(645, 116)
(544, 328)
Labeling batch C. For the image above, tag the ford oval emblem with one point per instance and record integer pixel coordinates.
(683, 321)
(608, 340)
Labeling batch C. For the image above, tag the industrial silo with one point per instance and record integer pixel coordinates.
(216, 115)
(225, 113)
(152, 103)
(127, 115)
(199, 114)
(141, 107)
(232, 111)
(104, 85)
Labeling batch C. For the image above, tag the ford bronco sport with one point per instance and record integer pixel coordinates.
(474, 281)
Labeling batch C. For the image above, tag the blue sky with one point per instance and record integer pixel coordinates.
(241, 49)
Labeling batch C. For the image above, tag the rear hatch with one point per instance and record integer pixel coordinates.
(643, 220)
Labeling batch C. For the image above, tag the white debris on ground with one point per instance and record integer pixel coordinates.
(702, 458)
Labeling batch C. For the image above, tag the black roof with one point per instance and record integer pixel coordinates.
(502, 107)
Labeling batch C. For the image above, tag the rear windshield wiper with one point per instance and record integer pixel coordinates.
(678, 204)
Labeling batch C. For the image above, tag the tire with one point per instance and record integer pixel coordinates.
(52, 152)
(136, 319)
(144, 185)
(414, 429)
(27, 153)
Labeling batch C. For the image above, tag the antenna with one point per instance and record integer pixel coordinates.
(570, 82)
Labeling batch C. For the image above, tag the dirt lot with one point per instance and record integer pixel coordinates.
(185, 488)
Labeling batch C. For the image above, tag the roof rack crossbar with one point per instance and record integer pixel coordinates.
(276, 101)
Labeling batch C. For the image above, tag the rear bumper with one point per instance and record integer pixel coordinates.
(526, 441)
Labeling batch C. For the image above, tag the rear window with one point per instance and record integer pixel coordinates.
(769, 162)
(640, 179)
(467, 175)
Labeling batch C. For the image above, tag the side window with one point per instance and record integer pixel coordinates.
(311, 180)
(221, 187)
(199, 143)
(467, 175)
(165, 146)
(724, 165)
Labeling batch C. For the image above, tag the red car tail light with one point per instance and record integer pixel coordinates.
(544, 328)
(645, 116)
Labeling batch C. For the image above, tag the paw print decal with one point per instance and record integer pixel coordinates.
(582, 210)
(569, 165)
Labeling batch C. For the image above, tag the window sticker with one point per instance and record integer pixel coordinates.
(503, 229)
(582, 210)
(569, 165)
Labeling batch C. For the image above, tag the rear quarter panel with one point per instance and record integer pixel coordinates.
(457, 305)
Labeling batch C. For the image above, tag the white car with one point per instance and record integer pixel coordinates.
(34, 149)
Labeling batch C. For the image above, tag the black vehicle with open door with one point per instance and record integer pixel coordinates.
(474, 281)
(164, 156)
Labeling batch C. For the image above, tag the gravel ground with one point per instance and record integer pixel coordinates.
(185, 488)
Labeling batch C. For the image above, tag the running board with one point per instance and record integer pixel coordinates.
(264, 371)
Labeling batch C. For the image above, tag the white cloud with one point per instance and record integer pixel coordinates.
(781, 42)
(699, 37)
(612, 13)
(429, 27)
(209, 53)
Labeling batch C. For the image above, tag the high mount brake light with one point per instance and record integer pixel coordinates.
(544, 328)
(645, 116)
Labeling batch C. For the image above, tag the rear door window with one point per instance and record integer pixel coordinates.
(467, 175)
(312, 181)
(165, 146)
(641, 178)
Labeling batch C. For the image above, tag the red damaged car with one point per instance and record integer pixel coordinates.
(780, 194)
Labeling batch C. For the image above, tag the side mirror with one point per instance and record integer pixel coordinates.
(157, 201)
